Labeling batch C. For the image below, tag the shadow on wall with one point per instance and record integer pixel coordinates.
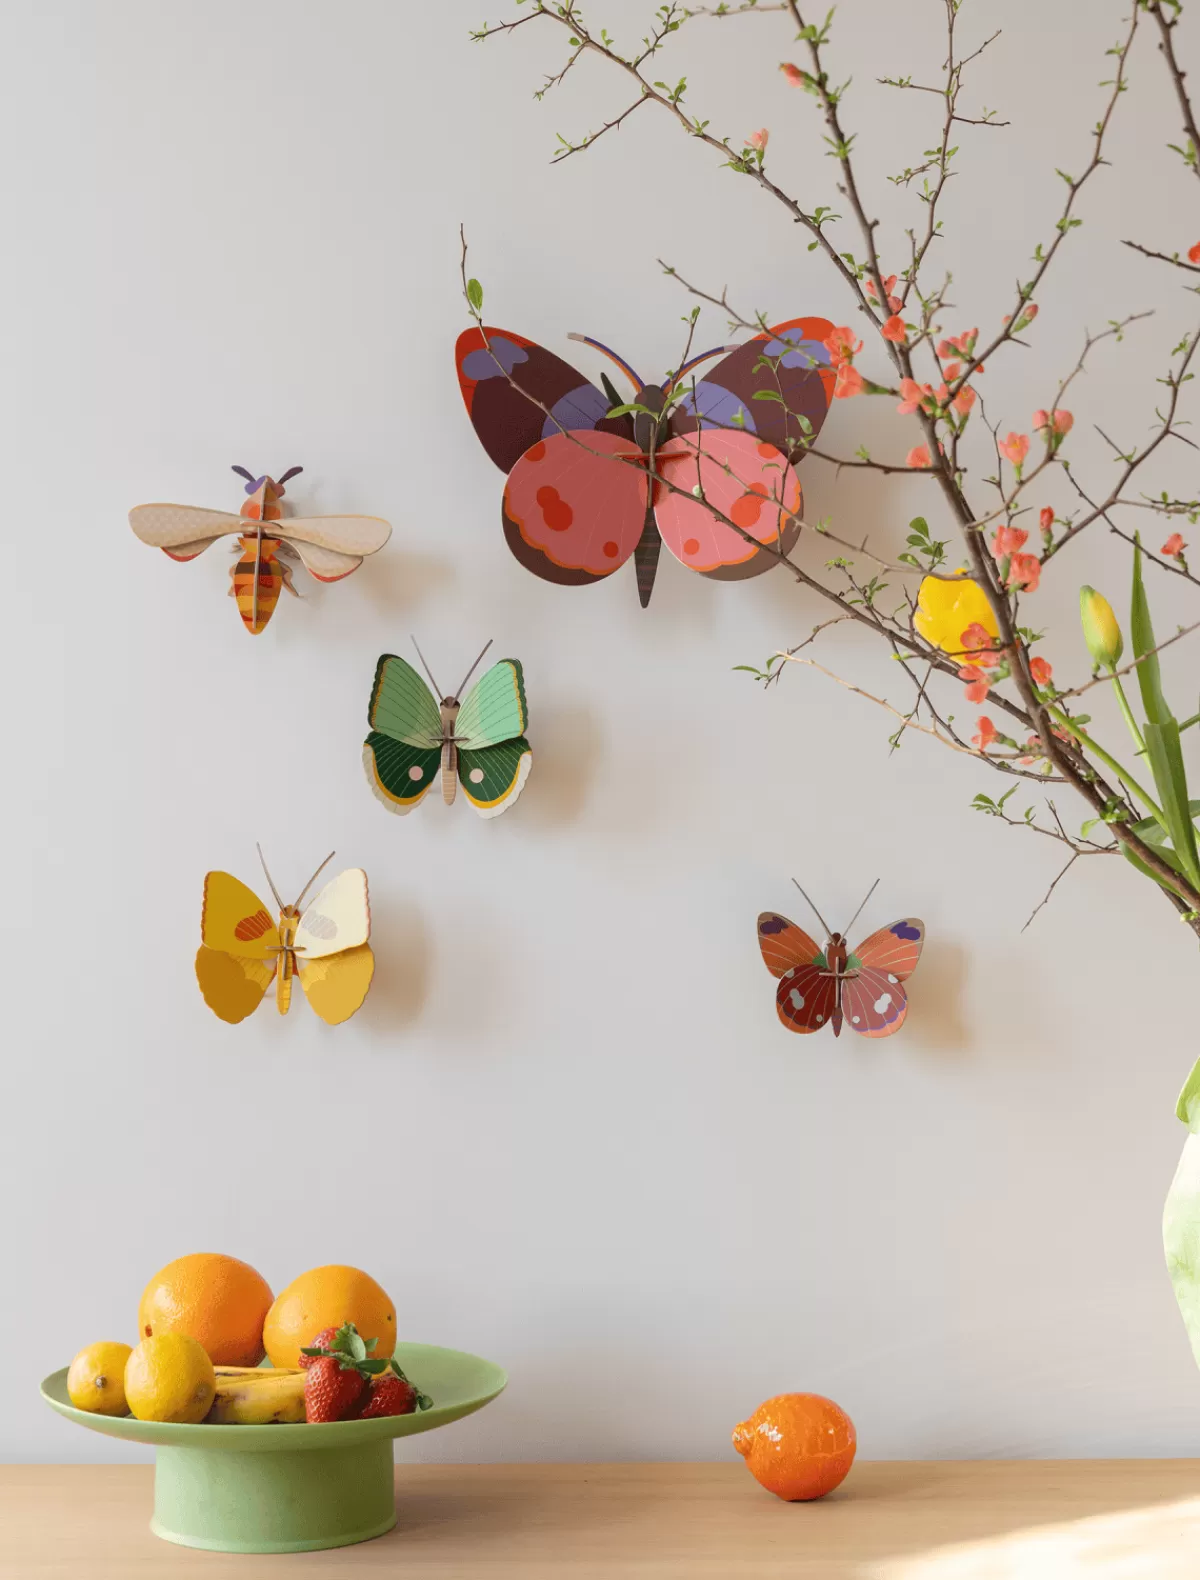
(935, 998)
(566, 752)
(400, 985)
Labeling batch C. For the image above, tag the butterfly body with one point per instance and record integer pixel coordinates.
(324, 947)
(478, 741)
(836, 984)
(587, 491)
(328, 547)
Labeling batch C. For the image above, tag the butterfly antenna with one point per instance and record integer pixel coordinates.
(816, 913)
(292, 471)
(858, 913)
(313, 879)
(693, 362)
(270, 879)
(586, 340)
(242, 472)
(474, 667)
(437, 690)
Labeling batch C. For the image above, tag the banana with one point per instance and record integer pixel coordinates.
(252, 1396)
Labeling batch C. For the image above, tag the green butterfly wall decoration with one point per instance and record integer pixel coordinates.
(479, 741)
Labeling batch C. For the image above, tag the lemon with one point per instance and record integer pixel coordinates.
(170, 1378)
(96, 1380)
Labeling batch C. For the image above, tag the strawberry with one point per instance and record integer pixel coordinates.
(331, 1391)
(337, 1372)
(391, 1394)
(322, 1342)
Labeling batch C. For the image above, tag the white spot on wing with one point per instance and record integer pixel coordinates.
(854, 1020)
(891, 978)
(796, 998)
(416, 772)
(476, 776)
(882, 1004)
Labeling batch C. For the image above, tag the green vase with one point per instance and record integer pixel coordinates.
(1181, 1214)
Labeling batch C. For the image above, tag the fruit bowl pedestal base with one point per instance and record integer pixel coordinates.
(293, 1502)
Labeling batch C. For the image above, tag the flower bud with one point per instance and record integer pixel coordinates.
(1100, 629)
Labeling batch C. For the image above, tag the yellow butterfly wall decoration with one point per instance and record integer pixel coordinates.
(325, 946)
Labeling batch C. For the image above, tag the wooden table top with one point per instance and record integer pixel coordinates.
(930, 1520)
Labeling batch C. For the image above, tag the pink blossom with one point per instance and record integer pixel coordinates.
(918, 456)
(914, 394)
(978, 684)
(797, 77)
(1057, 422)
(759, 139)
(849, 382)
(977, 640)
(889, 285)
(1015, 448)
(986, 735)
(1025, 570)
(894, 330)
(1046, 518)
(1194, 253)
(841, 345)
(964, 400)
(951, 371)
(1174, 546)
(1041, 671)
(1008, 540)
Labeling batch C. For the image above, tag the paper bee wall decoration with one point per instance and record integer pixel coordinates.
(329, 547)
(861, 986)
(580, 499)
(418, 734)
(325, 946)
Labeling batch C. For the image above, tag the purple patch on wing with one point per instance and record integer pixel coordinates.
(903, 930)
(481, 364)
(798, 353)
(579, 408)
(774, 924)
(717, 407)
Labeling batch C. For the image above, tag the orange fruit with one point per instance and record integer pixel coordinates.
(216, 1300)
(798, 1445)
(325, 1297)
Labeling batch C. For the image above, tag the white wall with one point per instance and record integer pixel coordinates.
(566, 1131)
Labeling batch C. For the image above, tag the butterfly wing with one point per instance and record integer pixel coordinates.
(492, 777)
(745, 478)
(182, 531)
(237, 960)
(338, 918)
(873, 1001)
(790, 362)
(516, 392)
(495, 708)
(806, 996)
(336, 985)
(235, 920)
(785, 945)
(402, 705)
(403, 752)
(232, 985)
(894, 949)
(575, 505)
(326, 565)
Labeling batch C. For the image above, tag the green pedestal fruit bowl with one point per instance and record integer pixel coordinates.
(289, 1488)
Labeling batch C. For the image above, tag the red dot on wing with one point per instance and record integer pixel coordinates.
(767, 451)
(744, 512)
(536, 452)
(610, 550)
(556, 513)
(692, 546)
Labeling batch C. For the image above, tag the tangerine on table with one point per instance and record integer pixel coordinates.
(325, 1297)
(215, 1299)
(798, 1445)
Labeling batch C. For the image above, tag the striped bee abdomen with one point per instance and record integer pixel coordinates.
(257, 581)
